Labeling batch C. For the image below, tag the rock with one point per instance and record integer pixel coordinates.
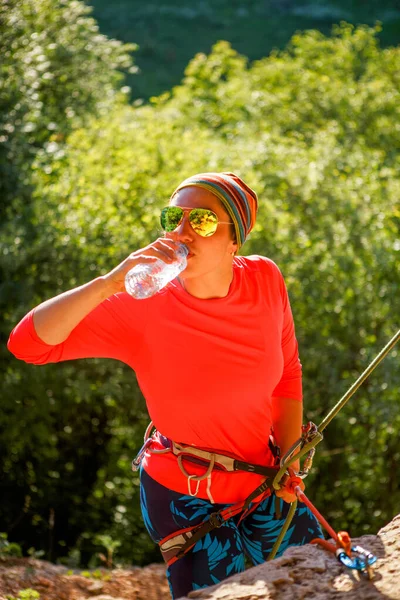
(302, 573)
(105, 598)
(309, 572)
(148, 583)
(96, 587)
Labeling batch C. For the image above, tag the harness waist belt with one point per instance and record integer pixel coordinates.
(221, 462)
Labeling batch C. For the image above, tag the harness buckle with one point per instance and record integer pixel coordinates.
(216, 520)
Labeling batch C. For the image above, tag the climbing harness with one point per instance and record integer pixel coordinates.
(177, 544)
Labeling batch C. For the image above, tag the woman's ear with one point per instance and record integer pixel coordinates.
(233, 248)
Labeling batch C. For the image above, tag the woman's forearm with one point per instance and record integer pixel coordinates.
(55, 318)
(287, 417)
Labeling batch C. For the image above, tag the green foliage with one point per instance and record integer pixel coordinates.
(56, 69)
(96, 575)
(33, 553)
(312, 129)
(171, 32)
(110, 545)
(7, 548)
(27, 594)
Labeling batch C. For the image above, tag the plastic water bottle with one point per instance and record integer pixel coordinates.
(146, 279)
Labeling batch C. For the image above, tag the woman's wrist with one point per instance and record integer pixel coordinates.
(107, 287)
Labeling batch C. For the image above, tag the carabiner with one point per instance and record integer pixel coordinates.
(138, 459)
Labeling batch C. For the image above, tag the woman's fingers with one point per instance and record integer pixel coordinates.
(161, 249)
(166, 248)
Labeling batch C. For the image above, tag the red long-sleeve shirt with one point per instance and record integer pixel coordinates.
(207, 368)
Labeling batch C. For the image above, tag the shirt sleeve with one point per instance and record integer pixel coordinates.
(290, 384)
(114, 329)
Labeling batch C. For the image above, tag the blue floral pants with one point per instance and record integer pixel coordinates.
(222, 551)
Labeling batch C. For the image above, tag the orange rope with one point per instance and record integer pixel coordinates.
(303, 498)
(324, 544)
(342, 539)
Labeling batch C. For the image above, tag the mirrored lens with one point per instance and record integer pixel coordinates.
(203, 221)
(171, 216)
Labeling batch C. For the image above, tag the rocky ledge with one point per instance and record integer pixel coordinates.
(302, 573)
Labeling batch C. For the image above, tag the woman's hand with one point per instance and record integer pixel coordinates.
(162, 248)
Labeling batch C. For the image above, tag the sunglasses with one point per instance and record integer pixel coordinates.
(202, 220)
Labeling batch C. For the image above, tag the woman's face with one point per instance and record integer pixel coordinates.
(206, 254)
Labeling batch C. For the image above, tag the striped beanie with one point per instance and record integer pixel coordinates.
(238, 199)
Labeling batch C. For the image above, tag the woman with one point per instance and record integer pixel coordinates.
(216, 358)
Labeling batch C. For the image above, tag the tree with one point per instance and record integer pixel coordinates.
(312, 129)
(57, 69)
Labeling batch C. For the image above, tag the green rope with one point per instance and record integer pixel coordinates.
(319, 437)
(359, 381)
(284, 529)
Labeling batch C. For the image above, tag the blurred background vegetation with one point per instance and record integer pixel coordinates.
(309, 119)
(170, 33)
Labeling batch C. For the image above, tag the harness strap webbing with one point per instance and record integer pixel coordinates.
(177, 544)
(219, 461)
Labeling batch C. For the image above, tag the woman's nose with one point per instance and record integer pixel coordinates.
(184, 232)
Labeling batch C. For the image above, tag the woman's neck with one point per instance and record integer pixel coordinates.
(208, 286)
